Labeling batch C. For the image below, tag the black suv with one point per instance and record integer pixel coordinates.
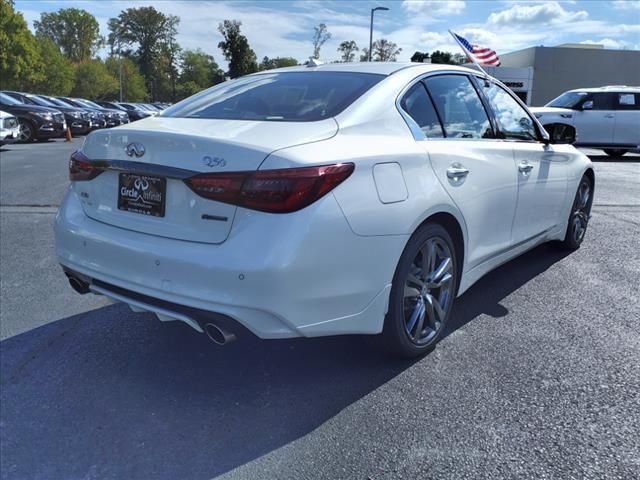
(113, 117)
(77, 119)
(36, 122)
(134, 114)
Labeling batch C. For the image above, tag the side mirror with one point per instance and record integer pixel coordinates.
(588, 105)
(561, 133)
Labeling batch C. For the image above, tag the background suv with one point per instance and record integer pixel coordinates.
(36, 122)
(76, 119)
(604, 117)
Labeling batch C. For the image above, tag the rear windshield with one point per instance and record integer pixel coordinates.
(284, 97)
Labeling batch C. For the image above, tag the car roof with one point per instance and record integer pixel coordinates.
(608, 88)
(381, 68)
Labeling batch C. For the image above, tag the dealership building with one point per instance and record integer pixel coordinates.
(539, 74)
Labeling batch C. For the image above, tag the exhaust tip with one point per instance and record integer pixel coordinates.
(218, 335)
(78, 285)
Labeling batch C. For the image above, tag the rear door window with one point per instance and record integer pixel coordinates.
(459, 107)
(627, 101)
(285, 97)
(418, 105)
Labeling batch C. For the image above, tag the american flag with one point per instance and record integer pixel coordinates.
(482, 55)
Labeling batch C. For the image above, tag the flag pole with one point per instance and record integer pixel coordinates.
(468, 54)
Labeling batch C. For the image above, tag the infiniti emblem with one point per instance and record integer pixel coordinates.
(135, 148)
(141, 184)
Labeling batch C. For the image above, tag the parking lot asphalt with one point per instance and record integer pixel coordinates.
(538, 376)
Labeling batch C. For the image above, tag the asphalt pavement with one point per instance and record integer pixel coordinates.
(538, 376)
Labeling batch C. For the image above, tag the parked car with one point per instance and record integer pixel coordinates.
(324, 200)
(607, 117)
(9, 128)
(96, 118)
(134, 114)
(113, 116)
(135, 111)
(36, 123)
(76, 119)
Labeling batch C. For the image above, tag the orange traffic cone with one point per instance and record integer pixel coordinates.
(69, 137)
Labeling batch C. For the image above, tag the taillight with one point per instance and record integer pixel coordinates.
(273, 191)
(81, 168)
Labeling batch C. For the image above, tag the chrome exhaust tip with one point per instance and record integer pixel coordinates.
(218, 335)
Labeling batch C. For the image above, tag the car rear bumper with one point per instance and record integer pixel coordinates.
(280, 276)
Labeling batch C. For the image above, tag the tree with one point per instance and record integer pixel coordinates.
(94, 81)
(419, 57)
(277, 62)
(364, 56)
(133, 85)
(348, 50)
(235, 47)
(59, 72)
(150, 31)
(385, 51)
(442, 57)
(199, 71)
(320, 36)
(76, 32)
(20, 61)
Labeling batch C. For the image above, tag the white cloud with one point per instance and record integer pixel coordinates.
(626, 4)
(436, 8)
(610, 43)
(542, 13)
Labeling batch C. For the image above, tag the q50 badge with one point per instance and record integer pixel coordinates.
(214, 162)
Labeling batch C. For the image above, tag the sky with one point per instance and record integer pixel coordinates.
(285, 28)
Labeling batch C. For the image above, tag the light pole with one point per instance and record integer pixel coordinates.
(371, 29)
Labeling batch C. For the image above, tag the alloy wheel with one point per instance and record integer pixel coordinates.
(25, 133)
(428, 291)
(581, 212)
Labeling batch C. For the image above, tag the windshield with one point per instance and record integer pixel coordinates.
(87, 103)
(69, 103)
(289, 97)
(7, 100)
(57, 102)
(568, 100)
(40, 101)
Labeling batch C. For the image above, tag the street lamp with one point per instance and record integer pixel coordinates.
(371, 29)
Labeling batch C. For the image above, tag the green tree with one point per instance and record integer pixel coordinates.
(150, 32)
(277, 62)
(235, 47)
(59, 72)
(348, 50)
(384, 51)
(419, 57)
(94, 81)
(442, 57)
(76, 32)
(199, 71)
(20, 61)
(133, 86)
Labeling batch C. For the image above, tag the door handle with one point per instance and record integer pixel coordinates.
(525, 167)
(457, 171)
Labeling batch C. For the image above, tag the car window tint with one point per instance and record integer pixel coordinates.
(284, 96)
(628, 101)
(603, 101)
(418, 105)
(513, 120)
(459, 107)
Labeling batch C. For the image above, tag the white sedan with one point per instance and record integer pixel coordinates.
(320, 200)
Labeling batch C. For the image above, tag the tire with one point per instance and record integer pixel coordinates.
(579, 216)
(420, 304)
(615, 152)
(27, 132)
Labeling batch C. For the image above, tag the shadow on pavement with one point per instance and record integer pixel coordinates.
(113, 394)
(607, 159)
